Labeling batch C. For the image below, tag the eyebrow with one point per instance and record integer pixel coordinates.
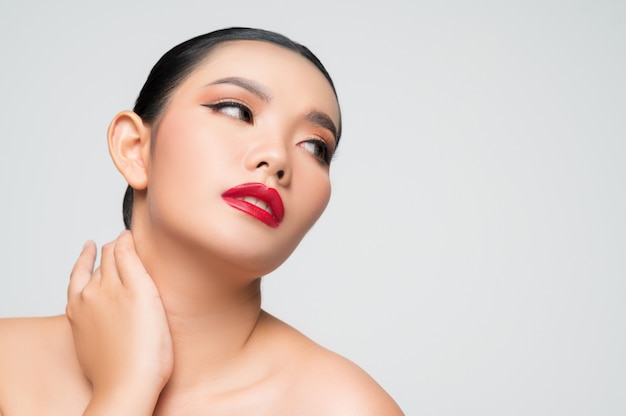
(246, 84)
(323, 120)
(317, 118)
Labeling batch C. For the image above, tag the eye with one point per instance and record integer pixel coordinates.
(319, 149)
(232, 109)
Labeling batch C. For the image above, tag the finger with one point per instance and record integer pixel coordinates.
(108, 270)
(82, 270)
(129, 266)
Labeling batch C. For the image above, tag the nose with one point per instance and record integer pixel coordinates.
(271, 159)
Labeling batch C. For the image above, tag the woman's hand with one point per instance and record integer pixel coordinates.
(120, 329)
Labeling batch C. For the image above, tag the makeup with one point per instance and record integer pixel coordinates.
(257, 200)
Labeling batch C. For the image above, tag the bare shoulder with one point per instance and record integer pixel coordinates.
(19, 337)
(19, 340)
(34, 353)
(327, 383)
(347, 389)
(23, 345)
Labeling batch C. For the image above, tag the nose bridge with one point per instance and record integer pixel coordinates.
(269, 153)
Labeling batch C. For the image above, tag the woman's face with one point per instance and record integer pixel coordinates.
(251, 113)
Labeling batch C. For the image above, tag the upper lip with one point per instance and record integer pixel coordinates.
(262, 194)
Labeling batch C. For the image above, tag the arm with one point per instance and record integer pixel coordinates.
(120, 330)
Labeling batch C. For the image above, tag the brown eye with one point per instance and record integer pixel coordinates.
(317, 148)
(232, 109)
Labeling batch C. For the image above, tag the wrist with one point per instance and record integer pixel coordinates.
(123, 400)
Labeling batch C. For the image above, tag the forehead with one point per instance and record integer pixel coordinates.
(285, 73)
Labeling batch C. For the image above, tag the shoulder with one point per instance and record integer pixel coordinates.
(346, 388)
(34, 352)
(20, 337)
(23, 345)
(327, 383)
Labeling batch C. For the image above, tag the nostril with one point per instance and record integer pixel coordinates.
(280, 174)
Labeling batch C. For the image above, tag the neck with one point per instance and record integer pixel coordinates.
(213, 309)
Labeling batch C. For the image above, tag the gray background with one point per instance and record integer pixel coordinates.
(472, 256)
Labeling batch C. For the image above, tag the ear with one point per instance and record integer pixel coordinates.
(129, 146)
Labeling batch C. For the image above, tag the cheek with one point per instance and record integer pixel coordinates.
(187, 150)
(316, 195)
(324, 198)
(183, 164)
(175, 159)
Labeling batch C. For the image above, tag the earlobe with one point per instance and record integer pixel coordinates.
(129, 141)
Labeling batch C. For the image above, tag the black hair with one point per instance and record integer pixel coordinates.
(181, 60)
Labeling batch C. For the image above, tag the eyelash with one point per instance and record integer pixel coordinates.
(247, 113)
(324, 158)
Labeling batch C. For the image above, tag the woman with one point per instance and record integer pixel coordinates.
(227, 156)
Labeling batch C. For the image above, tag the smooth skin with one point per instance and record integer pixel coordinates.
(171, 323)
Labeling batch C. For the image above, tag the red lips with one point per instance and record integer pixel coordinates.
(256, 199)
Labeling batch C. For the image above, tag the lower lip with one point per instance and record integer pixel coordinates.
(252, 210)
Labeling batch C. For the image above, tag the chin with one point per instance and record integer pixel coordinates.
(243, 247)
(253, 254)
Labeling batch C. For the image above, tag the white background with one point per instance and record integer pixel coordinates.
(472, 258)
